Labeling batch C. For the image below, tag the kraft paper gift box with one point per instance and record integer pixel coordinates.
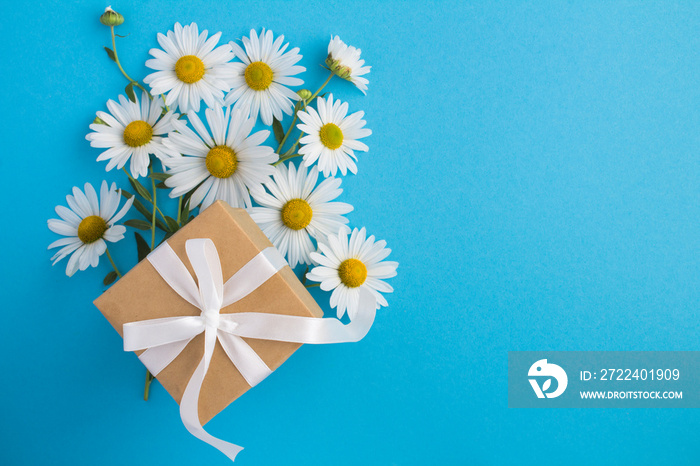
(142, 294)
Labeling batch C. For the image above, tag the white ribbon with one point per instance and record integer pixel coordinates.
(164, 339)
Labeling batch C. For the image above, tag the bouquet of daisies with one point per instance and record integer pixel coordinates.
(191, 130)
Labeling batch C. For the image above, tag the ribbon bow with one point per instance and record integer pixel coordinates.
(164, 339)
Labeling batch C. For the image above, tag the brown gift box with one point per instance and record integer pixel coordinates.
(142, 295)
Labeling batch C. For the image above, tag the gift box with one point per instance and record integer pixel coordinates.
(142, 294)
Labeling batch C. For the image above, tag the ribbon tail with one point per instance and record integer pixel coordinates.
(307, 330)
(189, 413)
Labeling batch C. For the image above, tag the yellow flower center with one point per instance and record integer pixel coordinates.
(352, 273)
(189, 69)
(297, 214)
(331, 136)
(91, 229)
(137, 133)
(258, 75)
(221, 161)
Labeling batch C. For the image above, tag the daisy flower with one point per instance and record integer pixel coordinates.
(331, 136)
(259, 85)
(295, 211)
(87, 224)
(344, 61)
(190, 69)
(349, 265)
(223, 165)
(131, 131)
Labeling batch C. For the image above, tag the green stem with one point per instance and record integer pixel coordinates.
(116, 59)
(114, 266)
(179, 210)
(298, 139)
(286, 135)
(294, 119)
(320, 89)
(161, 213)
(147, 386)
(284, 159)
(155, 207)
(314, 285)
(300, 135)
(303, 275)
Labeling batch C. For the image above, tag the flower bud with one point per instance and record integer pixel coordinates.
(111, 17)
(337, 68)
(305, 94)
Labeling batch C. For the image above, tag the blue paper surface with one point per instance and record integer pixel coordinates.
(534, 167)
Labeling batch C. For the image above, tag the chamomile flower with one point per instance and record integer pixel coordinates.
(331, 136)
(297, 210)
(345, 62)
(190, 69)
(222, 165)
(259, 84)
(349, 265)
(87, 224)
(131, 131)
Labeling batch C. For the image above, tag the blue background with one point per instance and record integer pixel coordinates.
(534, 167)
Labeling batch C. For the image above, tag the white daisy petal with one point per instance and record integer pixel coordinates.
(136, 134)
(295, 207)
(187, 61)
(64, 251)
(259, 86)
(326, 142)
(68, 215)
(232, 164)
(345, 267)
(86, 224)
(346, 63)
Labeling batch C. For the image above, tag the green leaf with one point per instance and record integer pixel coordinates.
(130, 92)
(278, 130)
(161, 225)
(142, 247)
(160, 176)
(109, 279)
(147, 214)
(138, 205)
(172, 224)
(291, 150)
(162, 185)
(140, 189)
(110, 54)
(139, 224)
(189, 193)
(185, 213)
